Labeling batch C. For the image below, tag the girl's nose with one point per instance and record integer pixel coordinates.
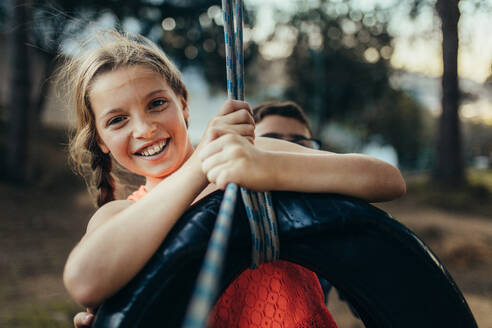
(144, 129)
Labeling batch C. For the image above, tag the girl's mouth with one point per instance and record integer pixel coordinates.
(153, 150)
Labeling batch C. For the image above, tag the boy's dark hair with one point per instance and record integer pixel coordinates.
(287, 109)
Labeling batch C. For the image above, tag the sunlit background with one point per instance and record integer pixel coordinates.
(367, 72)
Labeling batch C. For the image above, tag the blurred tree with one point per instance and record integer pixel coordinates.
(351, 49)
(449, 169)
(449, 166)
(189, 31)
(19, 100)
(401, 122)
(339, 70)
(354, 48)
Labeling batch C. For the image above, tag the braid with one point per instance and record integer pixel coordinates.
(104, 181)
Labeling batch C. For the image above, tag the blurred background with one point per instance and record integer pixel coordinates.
(406, 81)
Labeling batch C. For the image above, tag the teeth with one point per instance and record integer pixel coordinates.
(153, 149)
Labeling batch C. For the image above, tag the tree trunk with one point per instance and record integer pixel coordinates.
(449, 169)
(20, 90)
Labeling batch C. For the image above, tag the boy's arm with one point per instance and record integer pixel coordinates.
(280, 165)
(303, 169)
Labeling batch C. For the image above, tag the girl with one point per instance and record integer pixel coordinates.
(132, 108)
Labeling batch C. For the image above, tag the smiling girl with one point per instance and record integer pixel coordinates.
(132, 108)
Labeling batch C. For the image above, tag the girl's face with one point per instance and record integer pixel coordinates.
(140, 121)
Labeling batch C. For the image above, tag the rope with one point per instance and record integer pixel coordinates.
(259, 208)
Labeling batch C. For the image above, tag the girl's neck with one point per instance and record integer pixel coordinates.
(151, 182)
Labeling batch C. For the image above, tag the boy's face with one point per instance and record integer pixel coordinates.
(140, 120)
(286, 128)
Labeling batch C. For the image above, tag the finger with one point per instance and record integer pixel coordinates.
(217, 176)
(233, 105)
(251, 139)
(245, 130)
(210, 149)
(218, 145)
(241, 116)
(82, 319)
(214, 160)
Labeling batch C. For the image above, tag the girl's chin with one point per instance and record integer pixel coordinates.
(158, 174)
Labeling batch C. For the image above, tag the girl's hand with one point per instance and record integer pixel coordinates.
(233, 159)
(234, 117)
(83, 319)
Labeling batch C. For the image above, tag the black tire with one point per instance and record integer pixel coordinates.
(387, 274)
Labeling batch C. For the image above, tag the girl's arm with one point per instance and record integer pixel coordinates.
(280, 165)
(122, 235)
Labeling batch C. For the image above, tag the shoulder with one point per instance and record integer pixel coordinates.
(105, 212)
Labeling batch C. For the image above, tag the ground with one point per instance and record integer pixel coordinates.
(41, 222)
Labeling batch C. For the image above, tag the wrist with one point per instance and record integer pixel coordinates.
(271, 172)
(194, 166)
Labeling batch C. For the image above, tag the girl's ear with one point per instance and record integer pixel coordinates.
(184, 104)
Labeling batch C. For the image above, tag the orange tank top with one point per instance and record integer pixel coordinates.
(276, 295)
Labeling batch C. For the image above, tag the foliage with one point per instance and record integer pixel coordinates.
(402, 123)
(188, 31)
(449, 169)
(339, 70)
(348, 82)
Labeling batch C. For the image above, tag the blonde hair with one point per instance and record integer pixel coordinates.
(75, 77)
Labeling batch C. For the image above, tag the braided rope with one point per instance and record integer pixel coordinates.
(206, 286)
(259, 208)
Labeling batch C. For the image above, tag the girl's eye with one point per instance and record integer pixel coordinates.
(116, 120)
(157, 103)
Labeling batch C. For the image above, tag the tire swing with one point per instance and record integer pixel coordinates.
(387, 274)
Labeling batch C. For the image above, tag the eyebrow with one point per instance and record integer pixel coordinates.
(150, 94)
(116, 110)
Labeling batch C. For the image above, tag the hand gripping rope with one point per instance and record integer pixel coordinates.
(259, 209)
